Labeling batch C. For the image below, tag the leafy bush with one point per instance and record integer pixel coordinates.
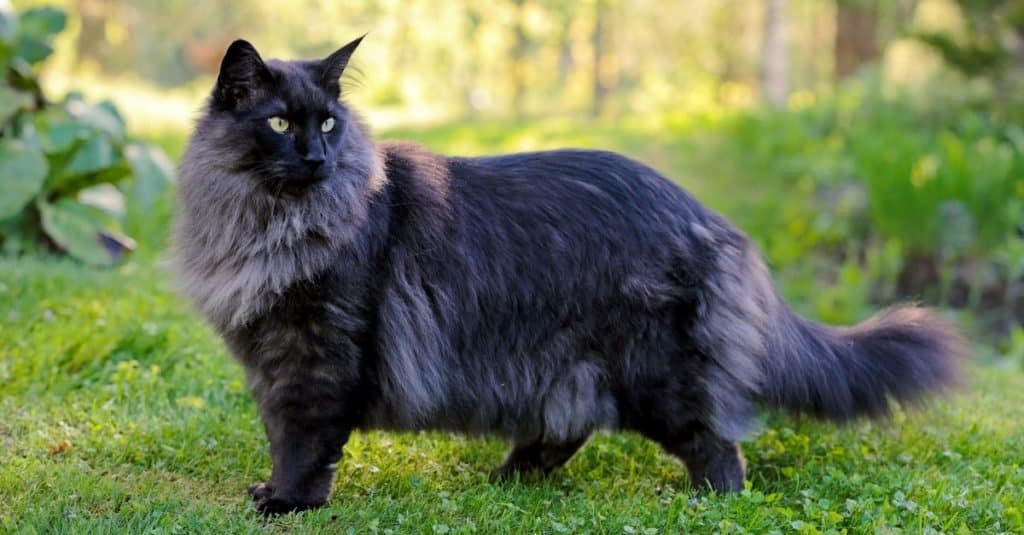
(950, 192)
(66, 167)
(944, 186)
(861, 199)
(981, 47)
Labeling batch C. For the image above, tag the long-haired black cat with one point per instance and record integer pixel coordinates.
(538, 296)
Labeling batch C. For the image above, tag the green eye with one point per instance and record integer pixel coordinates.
(327, 125)
(277, 124)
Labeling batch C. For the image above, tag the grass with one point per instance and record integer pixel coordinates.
(121, 412)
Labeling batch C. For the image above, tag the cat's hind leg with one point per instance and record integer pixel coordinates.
(712, 462)
(699, 422)
(537, 457)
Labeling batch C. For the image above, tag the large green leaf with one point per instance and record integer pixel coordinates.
(103, 117)
(85, 232)
(57, 131)
(152, 172)
(22, 172)
(93, 162)
(58, 137)
(27, 132)
(11, 101)
(37, 28)
(67, 185)
(96, 154)
(33, 50)
(46, 21)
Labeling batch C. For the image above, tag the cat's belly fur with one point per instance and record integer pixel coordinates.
(567, 405)
(518, 381)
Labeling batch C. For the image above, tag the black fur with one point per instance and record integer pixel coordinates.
(537, 296)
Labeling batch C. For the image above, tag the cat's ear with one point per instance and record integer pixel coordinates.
(243, 75)
(332, 67)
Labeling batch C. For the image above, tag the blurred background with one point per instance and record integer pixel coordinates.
(873, 149)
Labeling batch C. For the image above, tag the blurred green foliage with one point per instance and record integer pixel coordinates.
(983, 47)
(442, 57)
(56, 156)
(886, 199)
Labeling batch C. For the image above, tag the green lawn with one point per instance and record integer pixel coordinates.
(121, 412)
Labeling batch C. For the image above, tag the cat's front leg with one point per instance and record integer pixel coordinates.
(307, 429)
(304, 465)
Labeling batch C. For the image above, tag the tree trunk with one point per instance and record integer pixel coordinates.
(774, 54)
(471, 72)
(600, 90)
(565, 59)
(518, 69)
(92, 41)
(856, 39)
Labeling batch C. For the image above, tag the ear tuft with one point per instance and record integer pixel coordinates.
(242, 75)
(333, 66)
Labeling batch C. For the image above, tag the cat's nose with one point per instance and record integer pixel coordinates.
(313, 162)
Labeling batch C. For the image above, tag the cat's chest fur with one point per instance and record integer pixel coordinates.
(241, 257)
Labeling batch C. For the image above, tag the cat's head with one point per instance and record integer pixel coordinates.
(277, 176)
(281, 123)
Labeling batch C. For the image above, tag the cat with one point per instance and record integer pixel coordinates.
(536, 296)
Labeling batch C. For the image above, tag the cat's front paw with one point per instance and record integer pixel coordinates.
(501, 474)
(509, 473)
(269, 502)
(259, 491)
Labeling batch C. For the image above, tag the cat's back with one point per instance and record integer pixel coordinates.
(566, 177)
(577, 200)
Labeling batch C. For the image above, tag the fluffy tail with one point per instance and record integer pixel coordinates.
(840, 373)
